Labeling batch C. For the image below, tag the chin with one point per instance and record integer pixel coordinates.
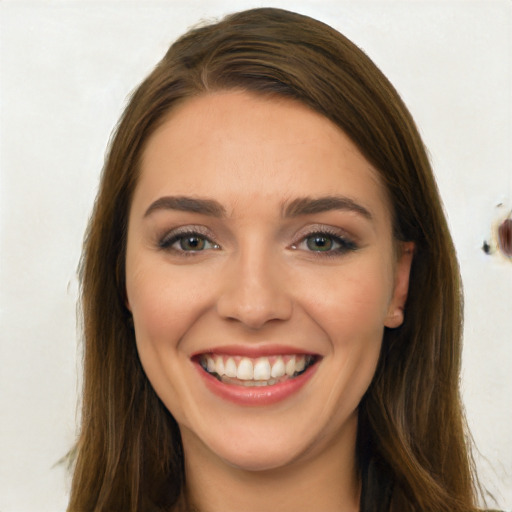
(262, 444)
(261, 457)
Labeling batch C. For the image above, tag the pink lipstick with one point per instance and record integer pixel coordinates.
(255, 376)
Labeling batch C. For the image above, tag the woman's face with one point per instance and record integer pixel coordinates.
(261, 272)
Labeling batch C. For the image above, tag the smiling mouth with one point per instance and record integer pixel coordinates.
(260, 371)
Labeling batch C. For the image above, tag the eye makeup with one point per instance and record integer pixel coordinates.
(319, 240)
(325, 241)
(188, 240)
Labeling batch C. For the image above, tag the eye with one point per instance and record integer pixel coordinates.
(189, 242)
(323, 242)
(320, 242)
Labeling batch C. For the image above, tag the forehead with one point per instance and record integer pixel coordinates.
(238, 147)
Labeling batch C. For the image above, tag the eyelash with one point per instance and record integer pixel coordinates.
(344, 244)
(174, 237)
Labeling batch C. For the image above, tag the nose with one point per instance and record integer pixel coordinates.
(254, 291)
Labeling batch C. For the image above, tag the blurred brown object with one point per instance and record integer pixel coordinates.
(505, 237)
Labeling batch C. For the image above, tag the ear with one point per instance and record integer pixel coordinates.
(395, 316)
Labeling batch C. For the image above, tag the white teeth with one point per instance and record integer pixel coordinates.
(290, 366)
(230, 368)
(262, 369)
(245, 370)
(219, 365)
(278, 369)
(300, 364)
(210, 364)
(259, 383)
(259, 371)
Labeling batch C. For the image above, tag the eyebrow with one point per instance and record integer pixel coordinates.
(297, 207)
(309, 205)
(187, 204)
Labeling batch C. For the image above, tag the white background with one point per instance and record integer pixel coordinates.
(66, 69)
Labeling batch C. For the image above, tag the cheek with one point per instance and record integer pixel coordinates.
(164, 301)
(353, 301)
(164, 306)
(350, 310)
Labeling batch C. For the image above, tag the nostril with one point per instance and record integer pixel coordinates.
(255, 312)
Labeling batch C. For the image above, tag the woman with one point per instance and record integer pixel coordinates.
(271, 300)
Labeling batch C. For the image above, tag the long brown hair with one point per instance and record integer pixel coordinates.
(412, 444)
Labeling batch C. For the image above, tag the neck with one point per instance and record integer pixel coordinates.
(327, 480)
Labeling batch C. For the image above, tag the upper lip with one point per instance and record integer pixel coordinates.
(254, 351)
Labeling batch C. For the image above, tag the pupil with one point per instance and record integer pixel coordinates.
(319, 243)
(192, 243)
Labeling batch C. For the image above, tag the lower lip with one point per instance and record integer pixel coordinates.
(254, 396)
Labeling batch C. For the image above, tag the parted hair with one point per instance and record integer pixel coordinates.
(412, 443)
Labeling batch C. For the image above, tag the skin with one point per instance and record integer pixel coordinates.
(258, 282)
